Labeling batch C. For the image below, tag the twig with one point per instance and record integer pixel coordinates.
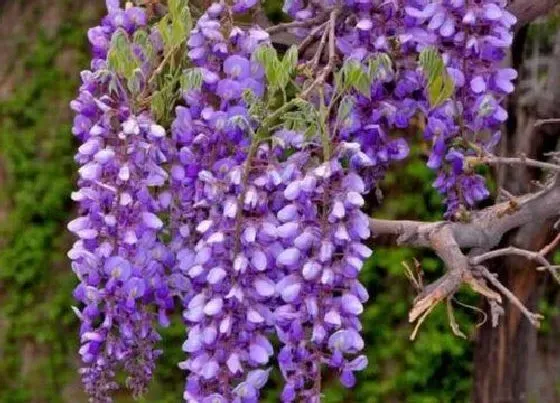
(417, 282)
(548, 248)
(508, 252)
(539, 256)
(494, 160)
(332, 56)
(474, 308)
(311, 37)
(551, 121)
(420, 321)
(297, 24)
(534, 318)
(452, 322)
(314, 62)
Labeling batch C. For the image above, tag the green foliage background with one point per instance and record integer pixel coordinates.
(38, 331)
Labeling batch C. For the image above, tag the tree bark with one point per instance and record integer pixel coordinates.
(504, 355)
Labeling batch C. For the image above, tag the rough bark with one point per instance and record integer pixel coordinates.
(505, 355)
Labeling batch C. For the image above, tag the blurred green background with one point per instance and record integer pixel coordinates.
(44, 47)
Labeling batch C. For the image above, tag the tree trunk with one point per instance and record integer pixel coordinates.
(507, 358)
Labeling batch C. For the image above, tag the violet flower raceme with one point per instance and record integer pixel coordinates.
(119, 260)
(474, 38)
(321, 298)
(222, 245)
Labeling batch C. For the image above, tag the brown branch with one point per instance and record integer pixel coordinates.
(482, 233)
(320, 19)
(528, 10)
(495, 160)
(485, 228)
(551, 121)
(332, 56)
(314, 62)
(510, 251)
(311, 37)
(539, 256)
(534, 318)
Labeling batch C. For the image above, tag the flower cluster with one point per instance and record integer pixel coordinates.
(223, 204)
(265, 237)
(121, 263)
(473, 37)
(322, 230)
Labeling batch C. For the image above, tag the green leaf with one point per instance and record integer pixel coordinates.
(120, 58)
(344, 108)
(163, 28)
(267, 57)
(191, 79)
(354, 75)
(176, 25)
(440, 86)
(135, 81)
(289, 62)
(277, 72)
(379, 67)
(175, 6)
(431, 63)
(158, 105)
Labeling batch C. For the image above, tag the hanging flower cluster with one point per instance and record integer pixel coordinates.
(121, 263)
(474, 37)
(247, 217)
(216, 194)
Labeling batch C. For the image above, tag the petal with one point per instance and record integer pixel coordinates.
(311, 269)
(258, 377)
(258, 353)
(210, 369)
(351, 304)
(437, 20)
(265, 287)
(358, 364)
(214, 306)
(259, 260)
(152, 221)
(233, 363)
(288, 257)
(333, 317)
(216, 275)
(291, 292)
(448, 27)
(478, 85)
(492, 11)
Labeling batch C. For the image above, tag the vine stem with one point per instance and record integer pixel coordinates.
(332, 56)
(297, 24)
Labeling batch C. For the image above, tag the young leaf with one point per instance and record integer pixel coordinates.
(344, 108)
(120, 58)
(440, 85)
(191, 79)
(289, 62)
(379, 67)
(354, 76)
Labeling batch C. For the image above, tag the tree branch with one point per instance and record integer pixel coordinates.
(485, 228)
(495, 160)
(528, 10)
(482, 233)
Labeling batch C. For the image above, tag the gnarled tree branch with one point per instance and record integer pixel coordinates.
(449, 240)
